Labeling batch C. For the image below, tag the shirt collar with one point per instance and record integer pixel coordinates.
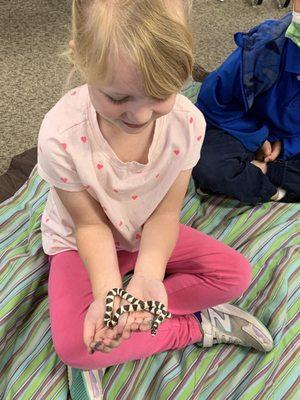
(292, 58)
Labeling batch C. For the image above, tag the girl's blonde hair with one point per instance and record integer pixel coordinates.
(153, 34)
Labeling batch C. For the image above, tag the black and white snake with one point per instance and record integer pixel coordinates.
(154, 307)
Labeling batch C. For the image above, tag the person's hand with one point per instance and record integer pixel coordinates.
(143, 288)
(268, 151)
(94, 329)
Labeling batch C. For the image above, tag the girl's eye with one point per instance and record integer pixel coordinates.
(116, 101)
(161, 100)
(126, 99)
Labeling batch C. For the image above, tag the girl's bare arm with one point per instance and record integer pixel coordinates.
(160, 232)
(95, 240)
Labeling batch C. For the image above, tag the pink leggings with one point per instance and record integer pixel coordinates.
(201, 272)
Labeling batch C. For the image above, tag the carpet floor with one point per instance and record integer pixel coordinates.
(33, 33)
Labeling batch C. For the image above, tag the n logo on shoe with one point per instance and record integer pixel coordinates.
(224, 322)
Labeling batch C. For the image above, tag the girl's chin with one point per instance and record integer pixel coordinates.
(122, 125)
(133, 126)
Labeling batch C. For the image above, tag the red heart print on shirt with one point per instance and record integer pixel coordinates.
(199, 137)
(134, 197)
(83, 139)
(99, 166)
(138, 236)
(191, 120)
(64, 146)
(176, 151)
(65, 180)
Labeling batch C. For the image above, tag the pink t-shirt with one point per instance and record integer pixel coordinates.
(73, 155)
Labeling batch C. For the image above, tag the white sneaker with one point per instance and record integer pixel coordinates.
(279, 194)
(226, 323)
(201, 193)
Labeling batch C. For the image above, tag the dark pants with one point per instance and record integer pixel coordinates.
(225, 168)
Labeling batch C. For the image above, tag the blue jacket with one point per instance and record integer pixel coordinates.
(255, 94)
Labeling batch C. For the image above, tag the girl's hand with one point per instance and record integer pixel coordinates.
(143, 288)
(94, 329)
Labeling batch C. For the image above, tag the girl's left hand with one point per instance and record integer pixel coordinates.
(143, 288)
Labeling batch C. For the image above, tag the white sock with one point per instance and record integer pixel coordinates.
(281, 194)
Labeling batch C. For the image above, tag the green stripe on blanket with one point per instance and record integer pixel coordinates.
(267, 234)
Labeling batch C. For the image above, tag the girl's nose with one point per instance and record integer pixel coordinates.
(139, 116)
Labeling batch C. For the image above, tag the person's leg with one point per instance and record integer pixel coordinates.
(286, 174)
(70, 295)
(201, 272)
(220, 274)
(225, 167)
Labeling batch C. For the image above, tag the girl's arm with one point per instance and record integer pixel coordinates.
(95, 240)
(160, 231)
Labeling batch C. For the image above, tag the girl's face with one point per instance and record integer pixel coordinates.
(125, 105)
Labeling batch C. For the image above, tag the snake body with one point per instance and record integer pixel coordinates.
(154, 307)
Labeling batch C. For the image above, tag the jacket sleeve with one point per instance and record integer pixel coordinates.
(222, 101)
(290, 147)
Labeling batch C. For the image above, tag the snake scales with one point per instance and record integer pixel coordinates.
(154, 307)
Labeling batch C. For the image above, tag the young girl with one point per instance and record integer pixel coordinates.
(118, 154)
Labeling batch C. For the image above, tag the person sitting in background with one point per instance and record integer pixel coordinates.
(251, 103)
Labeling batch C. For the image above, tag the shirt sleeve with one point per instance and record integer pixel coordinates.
(197, 126)
(54, 162)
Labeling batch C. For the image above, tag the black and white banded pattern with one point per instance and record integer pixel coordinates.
(155, 307)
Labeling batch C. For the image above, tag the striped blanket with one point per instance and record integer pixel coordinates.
(268, 235)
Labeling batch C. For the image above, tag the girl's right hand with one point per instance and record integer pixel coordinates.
(94, 329)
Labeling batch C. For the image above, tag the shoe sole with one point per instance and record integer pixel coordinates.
(233, 310)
